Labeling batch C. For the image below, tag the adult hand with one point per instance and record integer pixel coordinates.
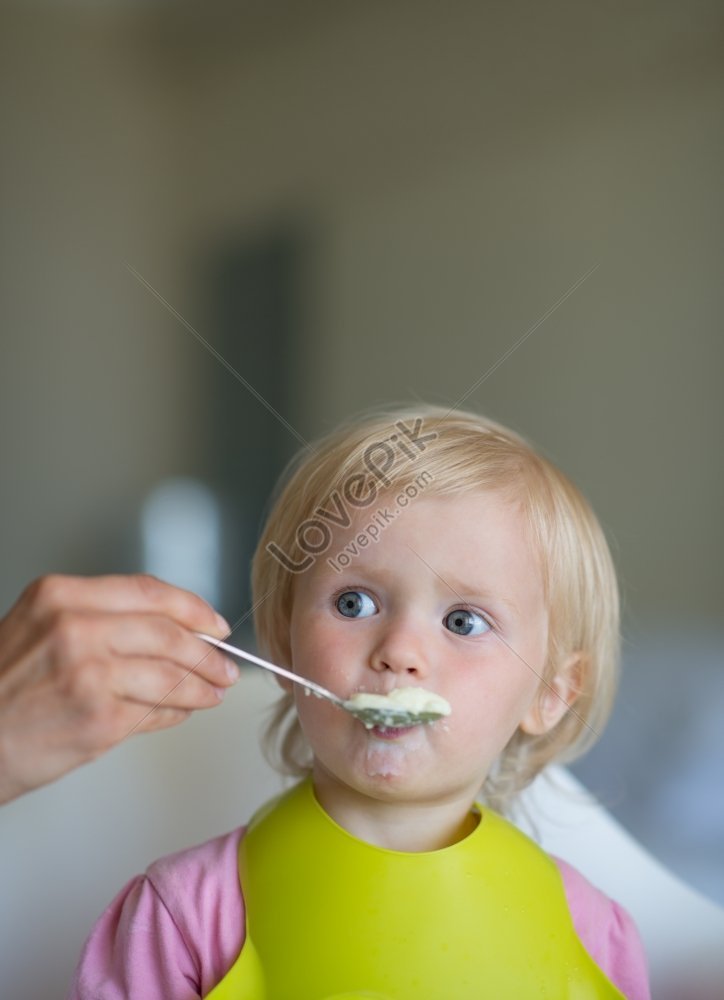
(86, 661)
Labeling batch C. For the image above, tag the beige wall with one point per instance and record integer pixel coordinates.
(461, 169)
(93, 374)
(458, 170)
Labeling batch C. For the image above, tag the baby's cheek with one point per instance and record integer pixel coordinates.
(480, 731)
(329, 731)
(310, 708)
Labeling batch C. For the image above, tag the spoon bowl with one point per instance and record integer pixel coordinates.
(385, 713)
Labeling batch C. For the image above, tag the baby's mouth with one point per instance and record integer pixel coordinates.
(392, 752)
(390, 733)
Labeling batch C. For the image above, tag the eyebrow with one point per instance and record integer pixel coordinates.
(458, 587)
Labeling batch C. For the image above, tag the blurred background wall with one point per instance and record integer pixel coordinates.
(343, 204)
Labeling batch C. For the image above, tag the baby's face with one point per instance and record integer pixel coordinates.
(450, 598)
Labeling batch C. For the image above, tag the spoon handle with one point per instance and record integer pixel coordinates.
(317, 689)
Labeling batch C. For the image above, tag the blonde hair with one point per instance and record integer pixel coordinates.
(453, 452)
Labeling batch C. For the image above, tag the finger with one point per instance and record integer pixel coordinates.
(148, 636)
(160, 683)
(152, 719)
(159, 718)
(131, 719)
(138, 593)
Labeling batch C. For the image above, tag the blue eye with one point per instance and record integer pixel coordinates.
(355, 604)
(465, 622)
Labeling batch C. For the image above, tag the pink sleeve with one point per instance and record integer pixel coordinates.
(608, 934)
(174, 932)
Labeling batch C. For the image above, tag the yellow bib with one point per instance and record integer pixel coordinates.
(330, 917)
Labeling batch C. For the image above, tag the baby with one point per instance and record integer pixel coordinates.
(414, 548)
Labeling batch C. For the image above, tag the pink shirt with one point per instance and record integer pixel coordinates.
(173, 933)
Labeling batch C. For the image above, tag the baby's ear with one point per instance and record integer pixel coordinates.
(554, 697)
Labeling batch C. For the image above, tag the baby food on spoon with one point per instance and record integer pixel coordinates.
(407, 706)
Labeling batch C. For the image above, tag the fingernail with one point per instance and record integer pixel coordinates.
(220, 693)
(222, 624)
(232, 671)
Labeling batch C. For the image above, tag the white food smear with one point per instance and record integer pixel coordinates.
(388, 759)
(414, 700)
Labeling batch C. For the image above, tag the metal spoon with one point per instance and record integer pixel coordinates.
(392, 717)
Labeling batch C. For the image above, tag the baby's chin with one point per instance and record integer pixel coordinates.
(395, 756)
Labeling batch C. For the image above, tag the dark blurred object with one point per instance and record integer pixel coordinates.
(256, 318)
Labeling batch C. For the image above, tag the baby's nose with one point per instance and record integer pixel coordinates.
(401, 650)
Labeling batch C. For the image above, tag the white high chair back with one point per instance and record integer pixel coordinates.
(682, 931)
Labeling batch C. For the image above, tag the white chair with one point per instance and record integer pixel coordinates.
(683, 932)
